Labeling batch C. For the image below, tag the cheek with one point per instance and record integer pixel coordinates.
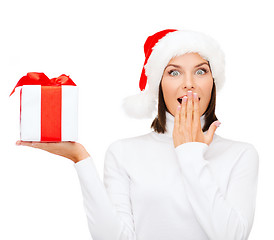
(169, 92)
(168, 88)
(206, 87)
(206, 84)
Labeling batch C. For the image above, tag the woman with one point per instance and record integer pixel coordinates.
(181, 180)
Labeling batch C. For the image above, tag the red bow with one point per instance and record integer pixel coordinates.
(35, 78)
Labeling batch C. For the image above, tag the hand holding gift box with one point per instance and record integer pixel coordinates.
(48, 108)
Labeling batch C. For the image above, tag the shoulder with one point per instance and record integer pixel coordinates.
(234, 147)
(133, 140)
(125, 143)
(233, 143)
(122, 149)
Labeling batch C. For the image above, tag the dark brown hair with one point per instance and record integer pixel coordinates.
(159, 123)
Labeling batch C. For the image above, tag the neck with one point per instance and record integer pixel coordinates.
(170, 123)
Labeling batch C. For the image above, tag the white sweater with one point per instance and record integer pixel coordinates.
(153, 191)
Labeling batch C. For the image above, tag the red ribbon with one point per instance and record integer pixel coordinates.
(35, 78)
(51, 114)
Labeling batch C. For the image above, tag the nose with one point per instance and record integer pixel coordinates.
(188, 82)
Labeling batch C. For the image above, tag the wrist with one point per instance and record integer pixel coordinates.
(80, 157)
(80, 153)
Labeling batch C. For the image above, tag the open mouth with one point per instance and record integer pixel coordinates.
(180, 100)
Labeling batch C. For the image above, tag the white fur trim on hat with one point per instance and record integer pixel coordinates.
(141, 105)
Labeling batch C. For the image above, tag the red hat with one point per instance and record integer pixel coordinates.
(149, 44)
(159, 48)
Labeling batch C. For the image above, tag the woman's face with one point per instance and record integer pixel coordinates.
(183, 73)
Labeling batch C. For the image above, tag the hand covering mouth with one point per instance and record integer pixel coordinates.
(180, 99)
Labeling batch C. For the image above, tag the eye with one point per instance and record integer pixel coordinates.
(174, 73)
(201, 70)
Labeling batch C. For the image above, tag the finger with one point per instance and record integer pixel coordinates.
(33, 144)
(189, 113)
(183, 113)
(24, 143)
(196, 114)
(211, 131)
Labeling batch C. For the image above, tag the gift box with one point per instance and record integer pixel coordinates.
(48, 108)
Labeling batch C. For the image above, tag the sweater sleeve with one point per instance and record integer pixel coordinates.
(107, 205)
(228, 217)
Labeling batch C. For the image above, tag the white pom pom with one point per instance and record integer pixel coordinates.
(140, 105)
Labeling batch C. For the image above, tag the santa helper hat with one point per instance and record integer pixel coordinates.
(159, 49)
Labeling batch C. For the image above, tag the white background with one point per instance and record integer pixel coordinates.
(100, 45)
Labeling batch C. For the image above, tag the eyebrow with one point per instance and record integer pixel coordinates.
(177, 66)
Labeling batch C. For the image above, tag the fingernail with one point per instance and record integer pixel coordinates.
(217, 123)
(179, 106)
(184, 98)
(18, 143)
